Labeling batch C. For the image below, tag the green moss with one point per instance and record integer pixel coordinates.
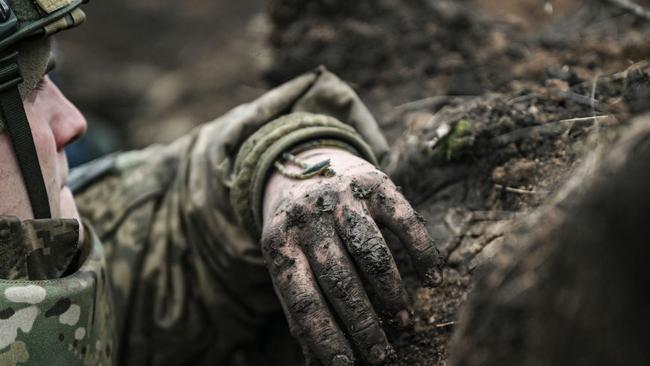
(451, 146)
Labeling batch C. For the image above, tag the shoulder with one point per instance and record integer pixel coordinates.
(110, 188)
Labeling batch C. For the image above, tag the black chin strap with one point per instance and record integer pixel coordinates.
(13, 114)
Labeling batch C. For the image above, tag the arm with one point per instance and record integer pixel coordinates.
(183, 268)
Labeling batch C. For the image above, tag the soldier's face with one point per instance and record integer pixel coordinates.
(55, 122)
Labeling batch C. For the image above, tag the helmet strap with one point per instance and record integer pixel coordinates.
(13, 112)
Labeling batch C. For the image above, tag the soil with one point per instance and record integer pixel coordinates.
(397, 53)
(488, 105)
(564, 288)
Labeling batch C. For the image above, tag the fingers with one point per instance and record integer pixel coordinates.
(344, 291)
(393, 211)
(308, 354)
(310, 357)
(310, 319)
(374, 260)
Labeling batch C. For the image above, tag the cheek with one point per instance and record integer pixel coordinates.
(15, 201)
(47, 157)
(45, 146)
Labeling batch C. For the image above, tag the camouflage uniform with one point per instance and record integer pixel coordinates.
(187, 282)
(62, 321)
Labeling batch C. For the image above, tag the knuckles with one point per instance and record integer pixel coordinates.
(302, 303)
(311, 198)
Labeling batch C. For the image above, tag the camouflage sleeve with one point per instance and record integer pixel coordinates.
(189, 283)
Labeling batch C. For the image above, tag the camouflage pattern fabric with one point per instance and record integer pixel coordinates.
(37, 249)
(66, 321)
(189, 283)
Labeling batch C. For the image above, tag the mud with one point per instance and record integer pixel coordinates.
(310, 229)
(373, 257)
(558, 281)
(297, 216)
(486, 122)
(327, 202)
(352, 265)
(358, 191)
(305, 308)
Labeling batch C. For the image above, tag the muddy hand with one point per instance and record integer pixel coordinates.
(322, 244)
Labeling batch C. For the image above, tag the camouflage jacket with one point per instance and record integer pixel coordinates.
(60, 321)
(188, 283)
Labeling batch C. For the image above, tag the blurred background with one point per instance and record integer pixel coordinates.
(147, 71)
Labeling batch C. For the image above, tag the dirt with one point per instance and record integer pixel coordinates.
(509, 158)
(489, 109)
(403, 56)
(488, 106)
(360, 192)
(565, 287)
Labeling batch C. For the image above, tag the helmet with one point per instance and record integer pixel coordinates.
(24, 52)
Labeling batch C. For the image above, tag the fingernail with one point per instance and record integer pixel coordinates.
(377, 353)
(404, 318)
(433, 278)
(342, 360)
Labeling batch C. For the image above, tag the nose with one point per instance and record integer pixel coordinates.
(67, 122)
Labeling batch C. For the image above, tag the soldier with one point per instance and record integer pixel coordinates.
(170, 264)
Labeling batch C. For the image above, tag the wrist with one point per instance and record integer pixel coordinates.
(257, 157)
(280, 187)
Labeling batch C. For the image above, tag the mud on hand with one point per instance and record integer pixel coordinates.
(323, 246)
